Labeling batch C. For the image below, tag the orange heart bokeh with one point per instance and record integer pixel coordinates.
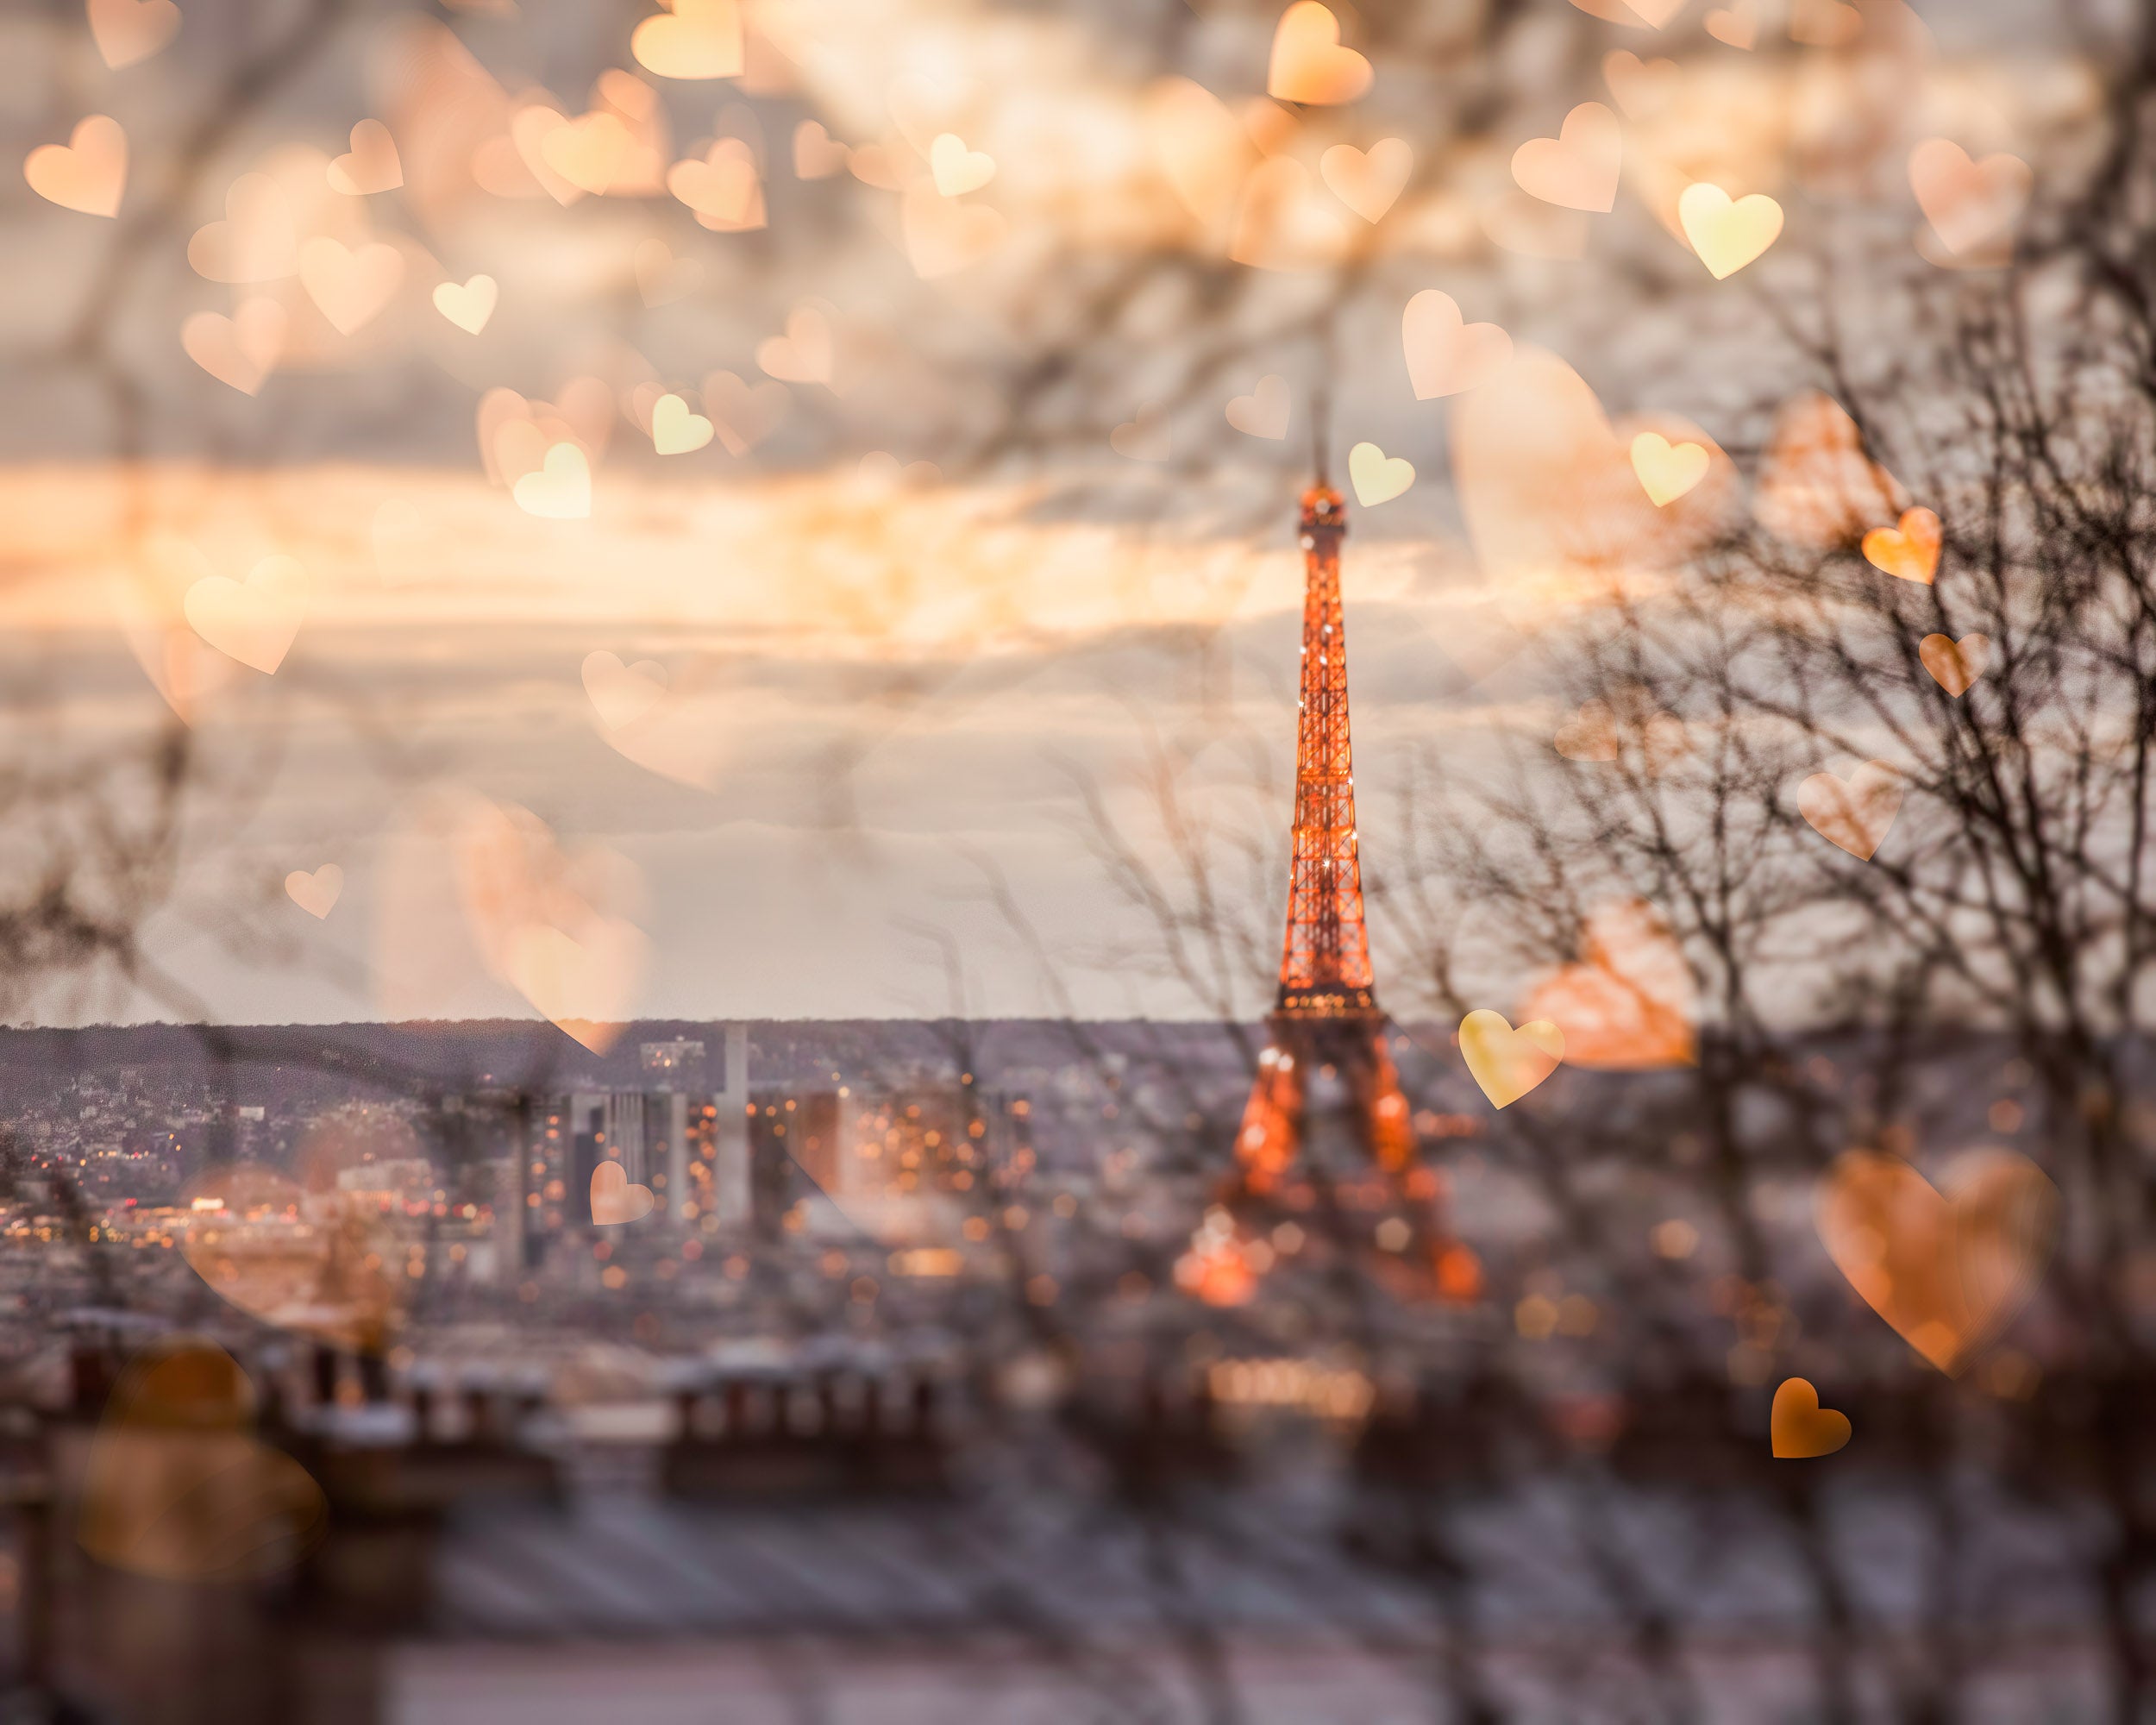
(178, 1488)
(1799, 1428)
(1628, 1005)
(1909, 551)
(552, 925)
(1946, 1271)
(88, 173)
(1309, 64)
(615, 1199)
(1817, 487)
(311, 1256)
(1955, 665)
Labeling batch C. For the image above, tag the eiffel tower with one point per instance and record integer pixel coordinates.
(1326, 1136)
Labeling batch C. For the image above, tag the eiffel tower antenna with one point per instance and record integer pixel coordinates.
(1320, 432)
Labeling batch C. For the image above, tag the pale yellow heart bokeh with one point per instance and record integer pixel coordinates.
(1506, 1063)
(675, 430)
(468, 304)
(1667, 471)
(956, 169)
(561, 489)
(1727, 233)
(1378, 478)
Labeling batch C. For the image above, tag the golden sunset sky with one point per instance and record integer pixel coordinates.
(1007, 539)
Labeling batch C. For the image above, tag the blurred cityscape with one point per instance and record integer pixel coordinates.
(913, 1387)
(762, 538)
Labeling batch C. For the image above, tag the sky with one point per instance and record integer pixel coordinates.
(974, 528)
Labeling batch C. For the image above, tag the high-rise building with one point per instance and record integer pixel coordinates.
(662, 1145)
(622, 1116)
(587, 1138)
(732, 1192)
(508, 1182)
(674, 1134)
(666, 1115)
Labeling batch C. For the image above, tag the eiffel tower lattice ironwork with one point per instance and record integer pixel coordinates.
(1326, 1021)
(1326, 1142)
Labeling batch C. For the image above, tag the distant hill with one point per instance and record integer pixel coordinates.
(517, 1054)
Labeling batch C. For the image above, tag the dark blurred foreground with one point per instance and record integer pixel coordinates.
(868, 1540)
